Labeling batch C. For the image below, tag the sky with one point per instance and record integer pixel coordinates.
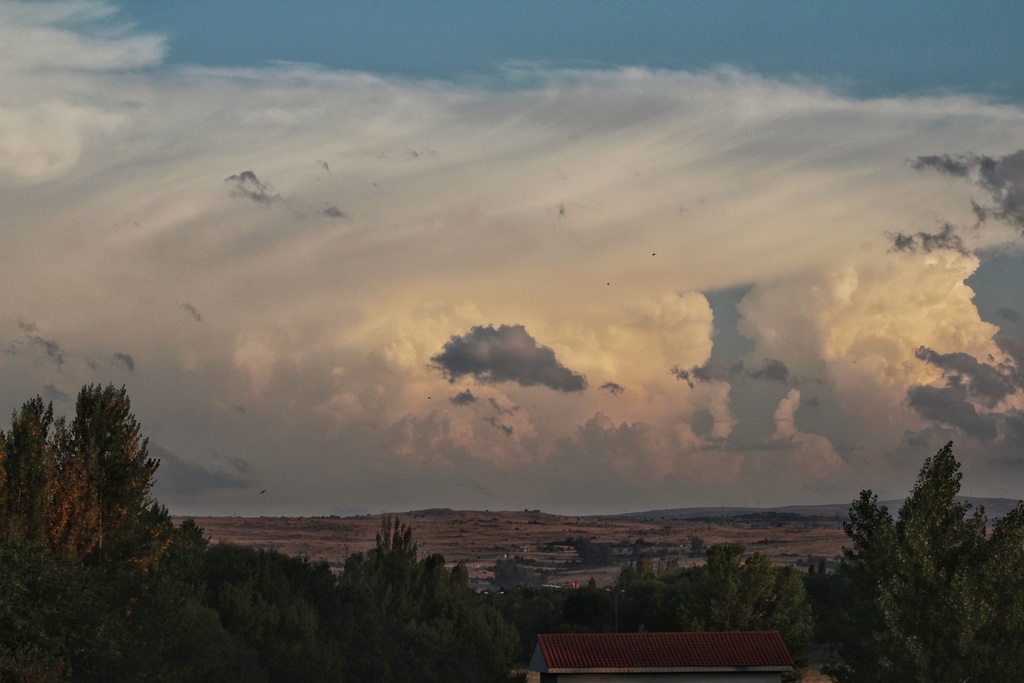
(581, 257)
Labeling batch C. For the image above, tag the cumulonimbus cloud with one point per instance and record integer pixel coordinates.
(507, 353)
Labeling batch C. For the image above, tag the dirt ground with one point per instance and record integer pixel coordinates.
(537, 539)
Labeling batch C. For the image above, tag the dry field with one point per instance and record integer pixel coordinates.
(479, 538)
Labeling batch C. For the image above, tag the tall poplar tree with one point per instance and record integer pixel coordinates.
(26, 456)
(932, 596)
(106, 440)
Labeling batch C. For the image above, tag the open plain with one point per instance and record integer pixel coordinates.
(541, 541)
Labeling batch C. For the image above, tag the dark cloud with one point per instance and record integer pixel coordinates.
(505, 354)
(49, 347)
(681, 375)
(493, 421)
(248, 186)
(970, 382)
(770, 369)
(1012, 347)
(177, 476)
(191, 310)
(949, 405)
(501, 410)
(1002, 178)
(335, 212)
(928, 242)
(943, 163)
(699, 374)
(990, 383)
(52, 393)
(1009, 314)
(463, 398)
(126, 360)
(613, 388)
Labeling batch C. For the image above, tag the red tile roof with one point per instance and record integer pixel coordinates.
(729, 649)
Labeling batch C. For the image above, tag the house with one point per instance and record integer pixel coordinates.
(698, 657)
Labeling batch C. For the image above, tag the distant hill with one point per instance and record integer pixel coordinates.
(995, 508)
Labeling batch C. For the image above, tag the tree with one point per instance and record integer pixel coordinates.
(410, 620)
(508, 573)
(106, 441)
(731, 594)
(26, 456)
(932, 596)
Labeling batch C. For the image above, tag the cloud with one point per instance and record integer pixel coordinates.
(612, 388)
(943, 163)
(248, 186)
(177, 476)
(949, 405)
(125, 360)
(785, 416)
(1004, 179)
(988, 382)
(1001, 177)
(505, 354)
(463, 398)
(500, 409)
(1010, 314)
(191, 310)
(332, 330)
(770, 370)
(52, 393)
(49, 347)
(508, 430)
(947, 238)
(1012, 347)
(709, 372)
(984, 400)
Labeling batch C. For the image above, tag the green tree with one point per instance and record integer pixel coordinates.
(409, 620)
(508, 573)
(276, 609)
(932, 596)
(26, 475)
(106, 441)
(729, 593)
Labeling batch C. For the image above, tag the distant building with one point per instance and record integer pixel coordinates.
(699, 657)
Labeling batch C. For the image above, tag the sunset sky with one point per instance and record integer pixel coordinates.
(583, 257)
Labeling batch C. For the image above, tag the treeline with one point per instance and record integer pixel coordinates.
(96, 584)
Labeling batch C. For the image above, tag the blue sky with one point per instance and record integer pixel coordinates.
(866, 48)
(582, 257)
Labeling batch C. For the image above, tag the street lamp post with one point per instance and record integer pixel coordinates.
(615, 600)
(494, 597)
